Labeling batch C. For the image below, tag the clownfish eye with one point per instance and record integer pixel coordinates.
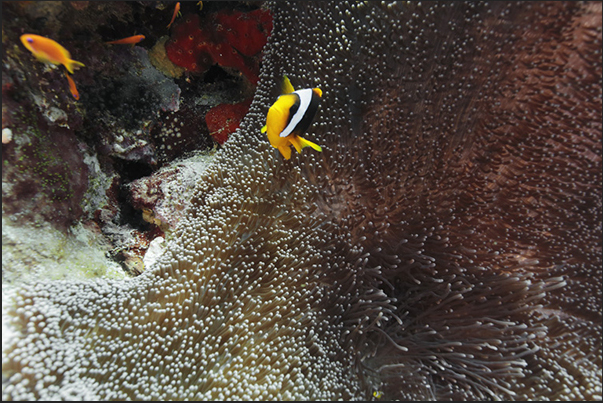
(30, 40)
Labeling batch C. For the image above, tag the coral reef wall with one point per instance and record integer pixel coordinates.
(446, 244)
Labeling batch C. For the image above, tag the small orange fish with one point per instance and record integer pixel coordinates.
(48, 51)
(130, 40)
(72, 87)
(176, 12)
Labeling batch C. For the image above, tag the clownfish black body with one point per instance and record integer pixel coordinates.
(290, 116)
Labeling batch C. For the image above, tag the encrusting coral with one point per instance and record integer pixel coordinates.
(231, 39)
(446, 244)
(224, 119)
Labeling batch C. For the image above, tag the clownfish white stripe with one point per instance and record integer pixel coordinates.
(305, 97)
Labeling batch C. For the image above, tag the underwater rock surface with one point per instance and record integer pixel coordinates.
(446, 244)
(73, 145)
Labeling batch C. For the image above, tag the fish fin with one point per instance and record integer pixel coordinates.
(71, 64)
(286, 87)
(296, 141)
(300, 142)
(286, 151)
(44, 59)
(305, 143)
(264, 128)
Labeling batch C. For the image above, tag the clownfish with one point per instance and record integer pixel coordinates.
(290, 116)
(48, 51)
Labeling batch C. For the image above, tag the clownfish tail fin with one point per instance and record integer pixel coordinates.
(306, 143)
(286, 86)
(300, 142)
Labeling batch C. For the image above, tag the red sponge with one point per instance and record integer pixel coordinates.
(189, 45)
(228, 38)
(224, 119)
(246, 32)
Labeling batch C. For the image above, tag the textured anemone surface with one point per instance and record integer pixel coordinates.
(446, 244)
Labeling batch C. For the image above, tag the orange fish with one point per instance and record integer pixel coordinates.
(72, 87)
(130, 40)
(176, 12)
(48, 51)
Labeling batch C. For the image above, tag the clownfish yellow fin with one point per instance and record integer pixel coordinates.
(300, 142)
(264, 129)
(286, 151)
(296, 141)
(286, 87)
(306, 143)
